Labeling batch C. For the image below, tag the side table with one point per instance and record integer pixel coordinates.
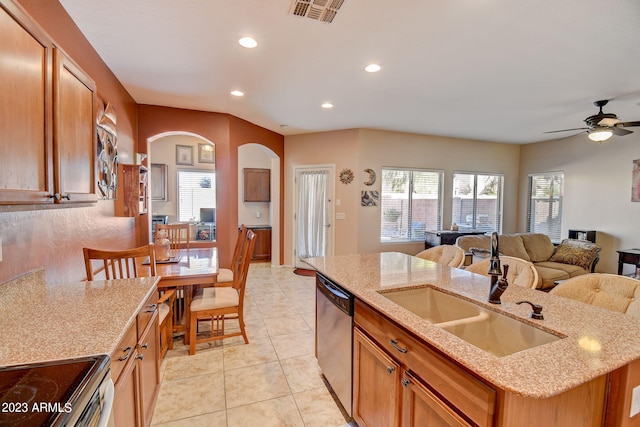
(628, 256)
(445, 237)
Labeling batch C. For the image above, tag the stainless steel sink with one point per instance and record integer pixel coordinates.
(432, 305)
(492, 332)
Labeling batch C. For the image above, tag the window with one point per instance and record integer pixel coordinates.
(477, 201)
(411, 202)
(196, 190)
(546, 191)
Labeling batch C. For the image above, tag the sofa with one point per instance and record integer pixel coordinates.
(569, 259)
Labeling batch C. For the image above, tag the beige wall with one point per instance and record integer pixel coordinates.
(597, 189)
(360, 149)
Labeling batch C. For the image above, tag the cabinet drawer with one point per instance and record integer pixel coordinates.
(146, 313)
(123, 353)
(471, 396)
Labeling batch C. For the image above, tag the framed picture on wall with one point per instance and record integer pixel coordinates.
(184, 155)
(206, 153)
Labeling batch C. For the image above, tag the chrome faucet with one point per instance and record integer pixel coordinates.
(498, 284)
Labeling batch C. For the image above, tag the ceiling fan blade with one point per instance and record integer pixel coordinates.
(620, 131)
(627, 124)
(566, 130)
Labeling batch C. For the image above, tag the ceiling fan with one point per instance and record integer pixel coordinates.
(602, 126)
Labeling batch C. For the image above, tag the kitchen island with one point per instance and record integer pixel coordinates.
(594, 361)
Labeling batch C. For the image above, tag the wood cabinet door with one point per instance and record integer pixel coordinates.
(126, 411)
(25, 109)
(149, 361)
(262, 251)
(74, 136)
(376, 385)
(420, 407)
(257, 185)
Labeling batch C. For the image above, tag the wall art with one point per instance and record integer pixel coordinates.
(346, 176)
(107, 151)
(184, 155)
(370, 198)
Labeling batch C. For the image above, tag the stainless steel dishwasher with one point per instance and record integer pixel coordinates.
(334, 337)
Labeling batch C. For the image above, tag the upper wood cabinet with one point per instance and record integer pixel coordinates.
(74, 137)
(47, 117)
(257, 185)
(26, 174)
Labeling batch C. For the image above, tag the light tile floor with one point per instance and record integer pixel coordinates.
(272, 381)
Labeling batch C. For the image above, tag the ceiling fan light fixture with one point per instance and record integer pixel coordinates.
(600, 134)
(248, 42)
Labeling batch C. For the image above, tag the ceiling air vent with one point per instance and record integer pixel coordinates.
(318, 10)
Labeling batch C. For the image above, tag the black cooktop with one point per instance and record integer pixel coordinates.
(44, 394)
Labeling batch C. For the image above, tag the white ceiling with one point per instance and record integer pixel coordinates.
(495, 70)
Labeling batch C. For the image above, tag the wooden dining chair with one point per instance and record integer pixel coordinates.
(214, 304)
(123, 264)
(178, 234)
(226, 275)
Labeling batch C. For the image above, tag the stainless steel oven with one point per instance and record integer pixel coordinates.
(334, 337)
(73, 392)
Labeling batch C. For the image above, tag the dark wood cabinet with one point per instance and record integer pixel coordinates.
(257, 185)
(262, 251)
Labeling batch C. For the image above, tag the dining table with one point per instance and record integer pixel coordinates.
(186, 271)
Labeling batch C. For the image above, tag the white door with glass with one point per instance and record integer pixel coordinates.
(313, 233)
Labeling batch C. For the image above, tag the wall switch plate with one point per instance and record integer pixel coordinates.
(340, 215)
(635, 401)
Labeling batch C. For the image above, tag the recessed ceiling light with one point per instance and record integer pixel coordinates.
(327, 105)
(372, 68)
(248, 42)
(237, 93)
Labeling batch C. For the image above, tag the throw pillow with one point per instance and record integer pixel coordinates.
(576, 252)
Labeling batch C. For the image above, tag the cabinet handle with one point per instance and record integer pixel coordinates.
(151, 308)
(66, 196)
(405, 382)
(145, 345)
(54, 196)
(127, 352)
(140, 357)
(394, 343)
(390, 369)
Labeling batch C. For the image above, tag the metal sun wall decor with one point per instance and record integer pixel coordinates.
(107, 152)
(346, 176)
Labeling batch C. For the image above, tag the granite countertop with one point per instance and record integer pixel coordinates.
(42, 322)
(597, 341)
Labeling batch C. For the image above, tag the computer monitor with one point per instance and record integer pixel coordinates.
(208, 215)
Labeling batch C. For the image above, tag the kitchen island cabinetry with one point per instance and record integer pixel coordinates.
(413, 363)
(137, 359)
(435, 391)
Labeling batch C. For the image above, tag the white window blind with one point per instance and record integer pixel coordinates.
(411, 202)
(546, 192)
(196, 189)
(477, 201)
